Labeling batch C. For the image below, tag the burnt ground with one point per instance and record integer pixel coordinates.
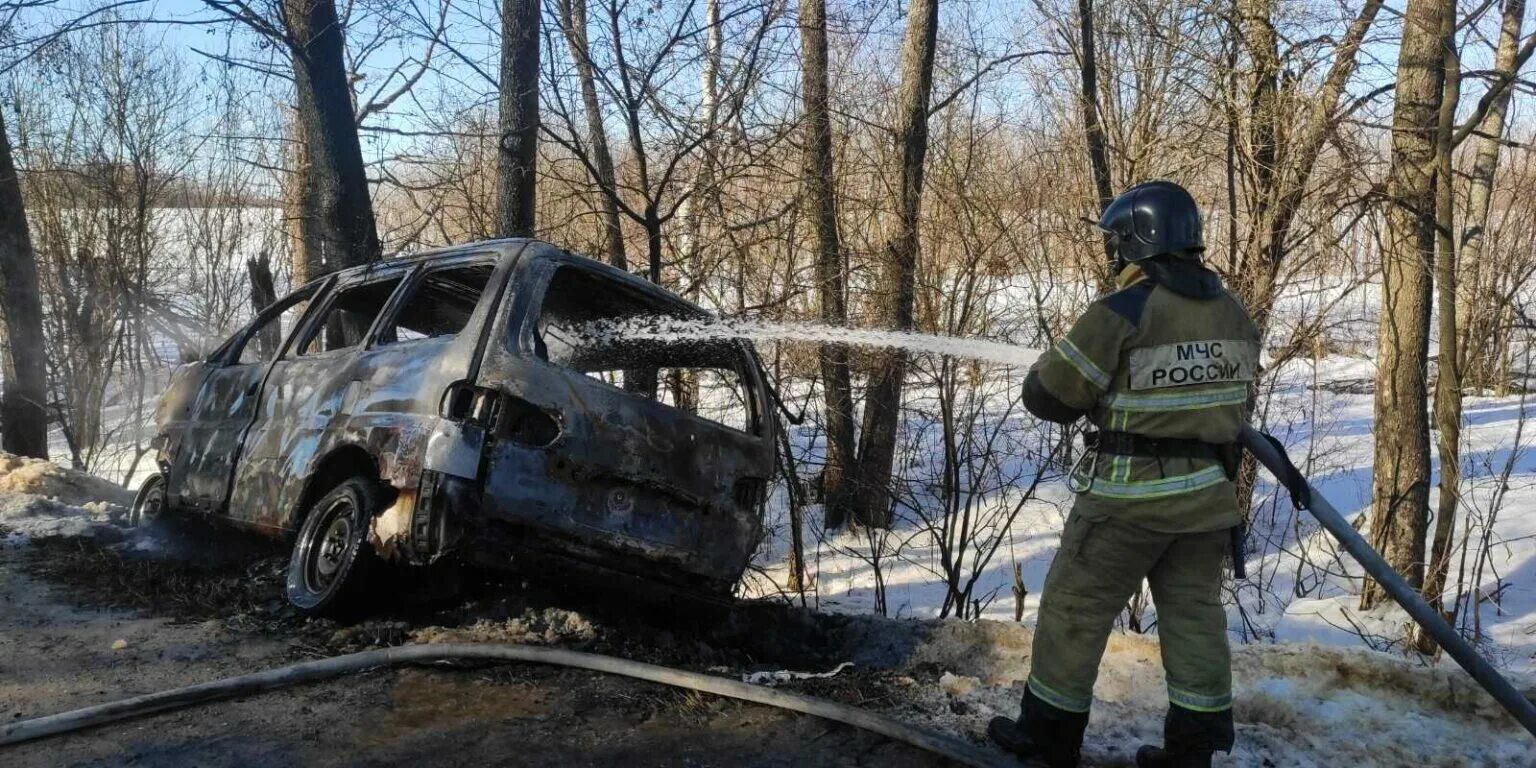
(88, 621)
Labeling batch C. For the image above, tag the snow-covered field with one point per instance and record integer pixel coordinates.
(1291, 596)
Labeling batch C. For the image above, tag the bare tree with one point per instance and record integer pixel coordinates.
(639, 77)
(898, 269)
(1447, 407)
(102, 125)
(1280, 152)
(1400, 496)
(818, 179)
(24, 357)
(1448, 270)
(1279, 156)
(339, 211)
(1093, 129)
(1478, 316)
(573, 21)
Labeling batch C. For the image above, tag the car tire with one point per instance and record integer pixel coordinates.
(149, 504)
(332, 557)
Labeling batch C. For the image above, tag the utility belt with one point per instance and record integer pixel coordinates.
(1131, 444)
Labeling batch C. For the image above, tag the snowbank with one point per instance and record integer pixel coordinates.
(1297, 705)
(40, 498)
(38, 477)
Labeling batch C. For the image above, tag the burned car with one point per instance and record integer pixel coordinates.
(451, 405)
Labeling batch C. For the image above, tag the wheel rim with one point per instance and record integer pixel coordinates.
(150, 503)
(326, 554)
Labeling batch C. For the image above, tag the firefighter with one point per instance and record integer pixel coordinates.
(1162, 369)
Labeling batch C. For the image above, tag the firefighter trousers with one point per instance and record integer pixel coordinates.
(1099, 567)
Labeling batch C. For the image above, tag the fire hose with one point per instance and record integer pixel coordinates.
(950, 747)
(1269, 453)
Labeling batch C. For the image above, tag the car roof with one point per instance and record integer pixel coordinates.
(549, 252)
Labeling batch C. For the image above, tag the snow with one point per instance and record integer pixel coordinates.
(1297, 705)
(1302, 589)
(39, 498)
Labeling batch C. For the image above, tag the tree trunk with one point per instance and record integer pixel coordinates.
(655, 245)
(1478, 352)
(633, 96)
(1400, 497)
(817, 176)
(1448, 383)
(23, 403)
(1266, 247)
(341, 213)
(298, 204)
(263, 292)
(573, 16)
(1093, 129)
(898, 274)
(702, 198)
(263, 295)
(517, 151)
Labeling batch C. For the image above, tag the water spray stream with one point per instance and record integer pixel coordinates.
(671, 329)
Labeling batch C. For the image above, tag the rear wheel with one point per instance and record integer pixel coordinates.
(149, 505)
(332, 558)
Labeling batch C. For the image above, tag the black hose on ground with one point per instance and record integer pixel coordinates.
(949, 747)
(1269, 453)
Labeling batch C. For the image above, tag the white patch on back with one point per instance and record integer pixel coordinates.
(1194, 362)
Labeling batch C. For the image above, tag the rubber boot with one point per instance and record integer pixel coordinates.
(1190, 738)
(1043, 735)
(1006, 733)
(1157, 757)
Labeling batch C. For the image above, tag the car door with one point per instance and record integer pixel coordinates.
(203, 432)
(312, 384)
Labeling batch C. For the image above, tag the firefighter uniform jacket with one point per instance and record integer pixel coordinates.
(1172, 354)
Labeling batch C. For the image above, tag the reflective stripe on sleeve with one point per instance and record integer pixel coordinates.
(1084, 365)
(1154, 489)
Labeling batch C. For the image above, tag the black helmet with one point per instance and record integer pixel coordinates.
(1151, 219)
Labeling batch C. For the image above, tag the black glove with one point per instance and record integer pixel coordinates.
(1301, 493)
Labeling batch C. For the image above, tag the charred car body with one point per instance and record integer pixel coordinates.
(448, 405)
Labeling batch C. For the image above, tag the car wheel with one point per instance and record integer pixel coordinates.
(149, 505)
(332, 557)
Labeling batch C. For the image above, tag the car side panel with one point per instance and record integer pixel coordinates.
(299, 402)
(644, 484)
(633, 476)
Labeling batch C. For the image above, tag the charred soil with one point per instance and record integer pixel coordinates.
(96, 621)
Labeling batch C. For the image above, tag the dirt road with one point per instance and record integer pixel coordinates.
(57, 653)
